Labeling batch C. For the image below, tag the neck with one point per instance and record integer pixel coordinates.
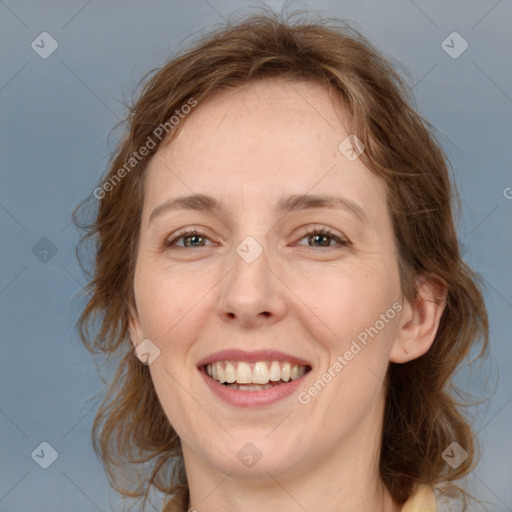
(275, 496)
(342, 480)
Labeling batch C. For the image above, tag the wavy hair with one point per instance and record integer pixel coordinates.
(424, 412)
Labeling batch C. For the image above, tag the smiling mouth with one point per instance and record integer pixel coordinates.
(256, 376)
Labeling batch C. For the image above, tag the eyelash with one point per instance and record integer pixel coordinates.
(321, 231)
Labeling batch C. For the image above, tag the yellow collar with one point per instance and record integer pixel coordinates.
(423, 501)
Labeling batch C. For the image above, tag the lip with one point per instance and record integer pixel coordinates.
(248, 399)
(251, 357)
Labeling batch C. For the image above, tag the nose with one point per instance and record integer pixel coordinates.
(251, 293)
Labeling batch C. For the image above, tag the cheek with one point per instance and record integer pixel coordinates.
(356, 324)
(168, 304)
(346, 299)
(164, 299)
(351, 315)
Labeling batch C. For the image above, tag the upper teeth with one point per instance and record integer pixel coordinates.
(257, 373)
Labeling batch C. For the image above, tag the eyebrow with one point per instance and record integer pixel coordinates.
(296, 202)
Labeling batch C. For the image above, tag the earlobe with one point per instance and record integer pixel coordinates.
(134, 327)
(419, 321)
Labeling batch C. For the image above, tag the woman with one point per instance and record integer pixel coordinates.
(276, 240)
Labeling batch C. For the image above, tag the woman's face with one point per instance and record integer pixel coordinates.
(262, 288)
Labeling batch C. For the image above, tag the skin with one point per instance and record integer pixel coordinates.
(298, 296)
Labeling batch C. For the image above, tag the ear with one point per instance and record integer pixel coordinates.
(420, 320)
(134, 327)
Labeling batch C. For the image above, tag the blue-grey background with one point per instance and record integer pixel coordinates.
(56, 120)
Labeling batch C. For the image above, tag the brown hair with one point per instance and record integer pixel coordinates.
(422, 414)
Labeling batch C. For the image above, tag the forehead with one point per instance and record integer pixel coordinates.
(259, 110)
(258, 142)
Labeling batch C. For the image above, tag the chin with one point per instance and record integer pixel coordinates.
(242, 457)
